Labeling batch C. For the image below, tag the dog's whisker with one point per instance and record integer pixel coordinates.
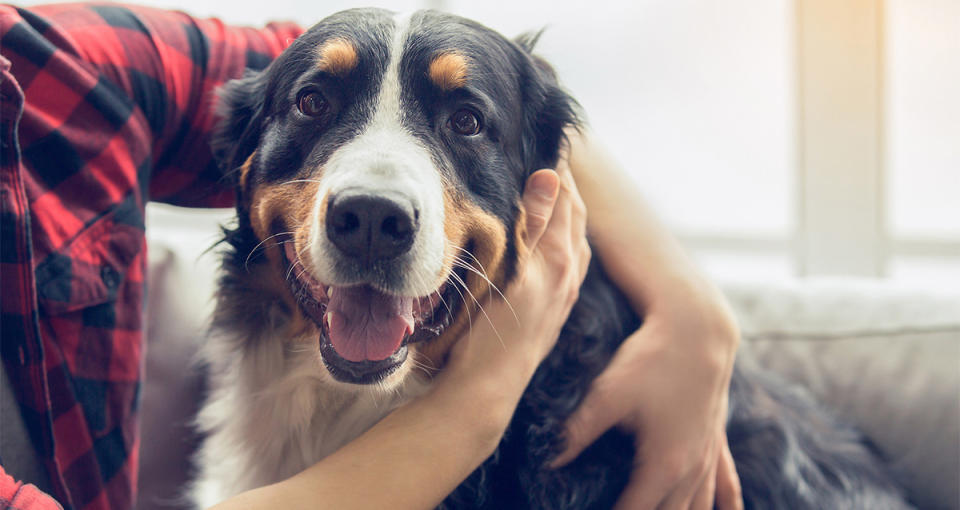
(480, 307)
(246, 262)
(459, 262)
(482, 310)
(454, 280)
(484, 274)
(294, 262)
(439, 296)
(427, 369)
(296, 181)
(491, 287)
(423, 364)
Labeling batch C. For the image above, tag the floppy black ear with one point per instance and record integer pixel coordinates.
(240, 108)
(549, 110)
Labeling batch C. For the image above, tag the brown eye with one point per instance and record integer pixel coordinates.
(465, 122)
(313, 104)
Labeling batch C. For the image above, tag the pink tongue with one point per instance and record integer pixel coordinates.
(366, 324)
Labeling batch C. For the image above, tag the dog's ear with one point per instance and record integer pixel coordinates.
(240, 108)
(549, 109)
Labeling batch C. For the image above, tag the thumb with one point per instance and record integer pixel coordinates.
(594, 417)
(729, 491)
(539, 197)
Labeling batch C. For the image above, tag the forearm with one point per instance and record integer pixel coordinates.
(668, 382)
(640, 254)
(634, 247)
(415, 456)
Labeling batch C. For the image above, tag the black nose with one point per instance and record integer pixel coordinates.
(371, 227)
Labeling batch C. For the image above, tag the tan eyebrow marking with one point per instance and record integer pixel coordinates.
(448, 71)
(338, 57)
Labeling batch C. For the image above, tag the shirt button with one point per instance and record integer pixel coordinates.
(109, 276)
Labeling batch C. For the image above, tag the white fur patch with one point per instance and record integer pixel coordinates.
(387, 159)
(274, 411)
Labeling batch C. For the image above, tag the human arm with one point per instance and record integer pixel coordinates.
(668, 382)
(22, 496)
(156, 73)
(419, 453)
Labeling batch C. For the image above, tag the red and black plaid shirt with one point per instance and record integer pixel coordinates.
(103, 107)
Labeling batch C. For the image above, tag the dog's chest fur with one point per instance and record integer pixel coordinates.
(271, 415)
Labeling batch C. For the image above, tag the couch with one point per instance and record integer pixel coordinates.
(886, 357)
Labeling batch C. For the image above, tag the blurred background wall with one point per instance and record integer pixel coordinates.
(778, 138)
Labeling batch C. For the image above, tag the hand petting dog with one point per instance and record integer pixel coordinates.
(683, 460)
(518, 332)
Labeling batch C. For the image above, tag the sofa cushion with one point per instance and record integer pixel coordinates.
(885, 357)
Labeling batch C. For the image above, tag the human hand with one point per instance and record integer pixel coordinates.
(520, 330)
(667, 384)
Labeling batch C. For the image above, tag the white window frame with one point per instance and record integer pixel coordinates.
(840, 217)
(841, 224)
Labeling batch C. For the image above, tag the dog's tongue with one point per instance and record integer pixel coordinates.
(366, 324)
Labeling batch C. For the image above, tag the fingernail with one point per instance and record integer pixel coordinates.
(543, 186)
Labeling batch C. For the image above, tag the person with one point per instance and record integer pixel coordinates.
(104, 107)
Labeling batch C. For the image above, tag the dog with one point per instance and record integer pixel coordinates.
(379, 164)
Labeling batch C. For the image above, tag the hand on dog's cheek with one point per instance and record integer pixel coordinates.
(506, 346)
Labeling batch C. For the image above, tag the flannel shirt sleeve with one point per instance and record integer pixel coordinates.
(16, 495)
(171, 65)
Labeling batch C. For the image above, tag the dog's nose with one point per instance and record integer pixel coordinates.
(371, 227)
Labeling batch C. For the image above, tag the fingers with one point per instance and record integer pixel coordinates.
(562, 242)
(566, 235)
(640, 493)
(704, 497)
(655, 485)
(594, 417)
(729, 492)
(539, 199)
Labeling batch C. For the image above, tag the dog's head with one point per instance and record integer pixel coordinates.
(379, 163)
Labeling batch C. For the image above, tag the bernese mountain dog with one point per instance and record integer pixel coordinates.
(379, 164)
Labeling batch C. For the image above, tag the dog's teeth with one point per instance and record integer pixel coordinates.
(326, 319)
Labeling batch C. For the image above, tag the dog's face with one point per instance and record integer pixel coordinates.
(380, 162)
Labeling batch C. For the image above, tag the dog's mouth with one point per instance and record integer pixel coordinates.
(364, 332)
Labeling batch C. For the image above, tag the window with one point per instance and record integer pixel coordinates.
(922, 132)
(778, 138)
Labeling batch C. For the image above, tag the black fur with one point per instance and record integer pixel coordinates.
(789, 453)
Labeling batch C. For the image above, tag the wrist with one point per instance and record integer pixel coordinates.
(486, 392)
(694, 309)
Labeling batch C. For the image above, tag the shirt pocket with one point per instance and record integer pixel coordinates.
(90, 295)
(91, 269)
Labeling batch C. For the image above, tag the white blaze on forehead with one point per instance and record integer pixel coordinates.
(385, 158)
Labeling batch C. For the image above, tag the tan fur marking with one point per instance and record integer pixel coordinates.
(465, 222)
(245, 171)
(292, 203)
(338, 57)
(448, 71)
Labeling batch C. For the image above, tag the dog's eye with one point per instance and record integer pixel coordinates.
(313, 104)
(465, 122)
